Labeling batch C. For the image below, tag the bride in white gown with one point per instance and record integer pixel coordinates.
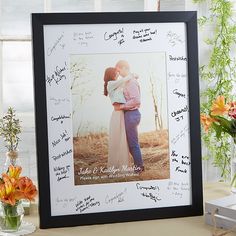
(118, 151)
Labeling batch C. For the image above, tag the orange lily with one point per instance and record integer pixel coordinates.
(14, 188)
(206, 121)
(27, 188)
(2, 191)
(10, 199)
(7, 193)
(219, 107)
(9, 187)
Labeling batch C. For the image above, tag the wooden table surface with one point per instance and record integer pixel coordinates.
(189, 226)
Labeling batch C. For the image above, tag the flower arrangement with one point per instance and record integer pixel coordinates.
(14, 188)
(222, 118)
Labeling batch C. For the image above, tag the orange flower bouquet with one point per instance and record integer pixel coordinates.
(13, 189)
(222, 118)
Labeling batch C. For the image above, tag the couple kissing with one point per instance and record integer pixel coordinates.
(123, 89)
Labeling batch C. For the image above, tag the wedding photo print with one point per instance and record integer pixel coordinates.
(120, 117)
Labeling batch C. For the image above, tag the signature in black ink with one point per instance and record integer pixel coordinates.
(114, 35)
(139, 186)
(179, 118)
(60, 118)
(180, 111)
(179, 94)
(86, 203)
(151, 196)
(59, 156)
(174, 154)
(64, 136)
(151, 192)
(61, 172)
(179, 169)
(57, 75)
(186, 160)
(144, 35)
(178, 58)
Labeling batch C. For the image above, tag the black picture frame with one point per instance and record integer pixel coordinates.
(41, 19)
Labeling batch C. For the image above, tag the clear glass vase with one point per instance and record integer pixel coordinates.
(11, 217)
(11, 159)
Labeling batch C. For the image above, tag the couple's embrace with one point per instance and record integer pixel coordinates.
(124, 92)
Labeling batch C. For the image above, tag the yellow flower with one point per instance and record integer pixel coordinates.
(207, 121)
(9, 187)
(14, 171)
(2, 191)
(219, 107)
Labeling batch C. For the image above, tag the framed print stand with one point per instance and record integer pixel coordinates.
(85, 176)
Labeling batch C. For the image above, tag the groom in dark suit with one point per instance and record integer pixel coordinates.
(132, 115)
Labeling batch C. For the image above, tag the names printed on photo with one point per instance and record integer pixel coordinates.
(102, 173)
(106, 170)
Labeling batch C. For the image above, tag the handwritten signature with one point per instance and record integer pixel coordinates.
(57, 75)
(50, 50)
(86, 203)
(117, 35)
(174, 38)
(117, 198)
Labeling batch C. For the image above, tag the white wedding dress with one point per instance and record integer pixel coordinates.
(118, 151)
